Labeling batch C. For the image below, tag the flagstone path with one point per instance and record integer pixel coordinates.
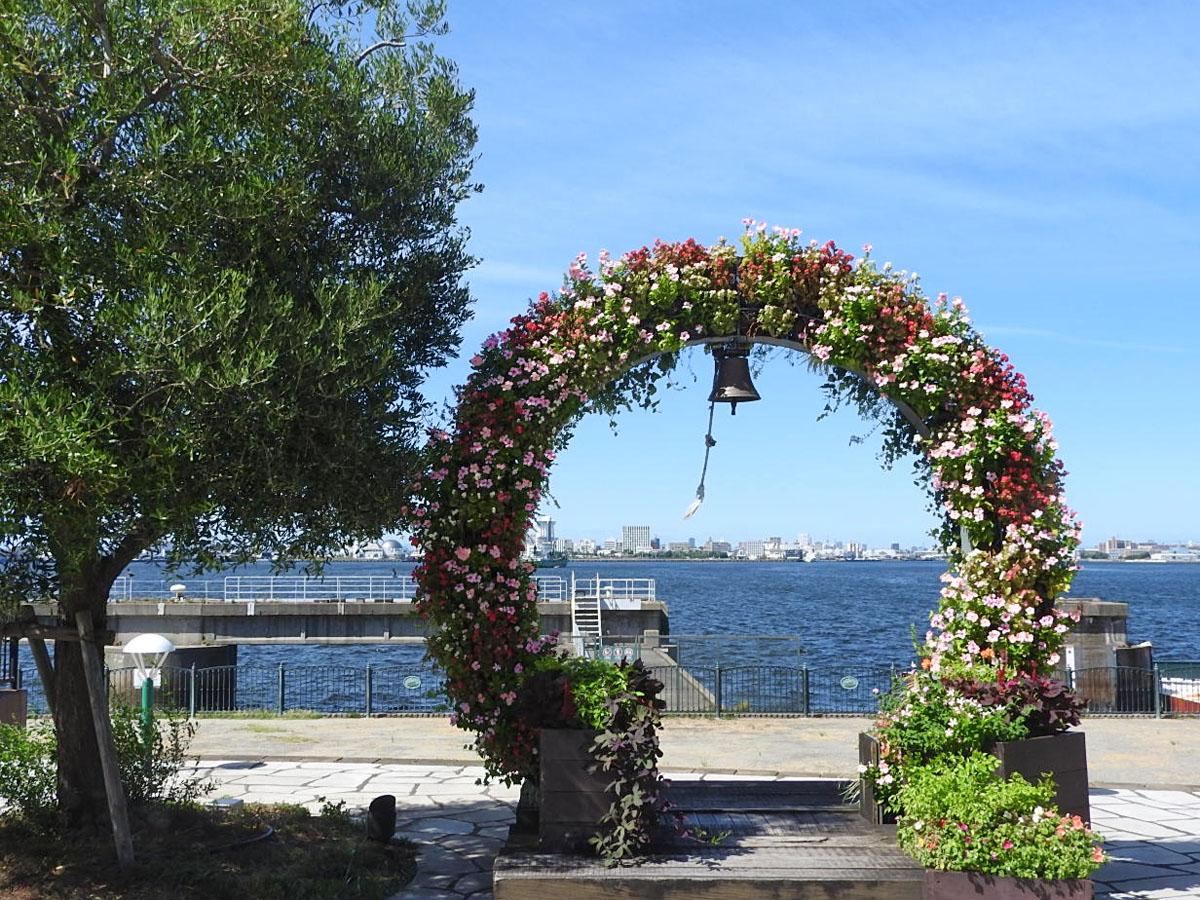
(1153, 836)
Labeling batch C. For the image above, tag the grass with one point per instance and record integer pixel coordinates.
(279, 735)
(187, 853)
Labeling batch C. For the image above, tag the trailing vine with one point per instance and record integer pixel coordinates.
(627, 750)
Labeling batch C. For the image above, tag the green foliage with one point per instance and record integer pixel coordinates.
(229, 254)
(150, 766)
(927, 720)
(27, 769)
(627, 749)
(594, 684)
(1042, 705)
(960, 816)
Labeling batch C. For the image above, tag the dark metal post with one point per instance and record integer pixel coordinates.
(14, 666)
(369, 685)
(192, 694)
(718, 692)
(804, 687)
(279, 694)
(1157, 692)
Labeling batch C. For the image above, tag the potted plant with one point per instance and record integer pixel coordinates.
(1047, 709)
(980, 835)
(923, 718)
(1022, 721)
(598, 783)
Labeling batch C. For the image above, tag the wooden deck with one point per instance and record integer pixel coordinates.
(788, 840)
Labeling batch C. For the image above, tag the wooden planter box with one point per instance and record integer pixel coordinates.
(572, 799)
(14, 707)
(1062, 756)
(961, 885)
(868, 807)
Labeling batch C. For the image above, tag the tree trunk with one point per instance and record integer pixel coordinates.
(81, 797)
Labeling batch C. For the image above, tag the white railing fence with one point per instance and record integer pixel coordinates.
(355, 588)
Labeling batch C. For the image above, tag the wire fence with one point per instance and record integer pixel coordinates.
(737, 690)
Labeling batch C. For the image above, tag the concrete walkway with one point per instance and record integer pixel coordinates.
(1121, 751)
(1153, 835)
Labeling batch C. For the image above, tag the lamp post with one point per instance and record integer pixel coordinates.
(149, 651)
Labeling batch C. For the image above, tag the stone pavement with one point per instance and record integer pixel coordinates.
(1131, 752)
(1153, 836)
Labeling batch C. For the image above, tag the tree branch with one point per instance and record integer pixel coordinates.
(100, 20)
(380, 45)
(144, 532)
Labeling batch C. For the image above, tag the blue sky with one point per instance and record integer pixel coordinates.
(1040, 160)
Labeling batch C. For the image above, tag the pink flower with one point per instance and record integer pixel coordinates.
(463, 553)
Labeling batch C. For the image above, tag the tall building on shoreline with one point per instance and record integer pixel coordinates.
(635, 538)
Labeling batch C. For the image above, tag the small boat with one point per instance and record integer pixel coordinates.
(1182, 694)
(551, 561)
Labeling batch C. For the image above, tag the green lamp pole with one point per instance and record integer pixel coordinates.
(148, 651)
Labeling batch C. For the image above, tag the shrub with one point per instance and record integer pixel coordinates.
(27, 769)
(150, 765)
(959, 815)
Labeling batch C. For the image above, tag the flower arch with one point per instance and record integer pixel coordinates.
(986, 455)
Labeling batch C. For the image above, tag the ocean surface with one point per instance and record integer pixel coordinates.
(819, 614)
(845, 621)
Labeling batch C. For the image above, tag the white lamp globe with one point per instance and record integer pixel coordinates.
(148, 651)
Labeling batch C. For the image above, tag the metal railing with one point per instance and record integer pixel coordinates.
(719, 690)
(552, 588)
(615, 588)
(332, 588)
(338, 588)
(327, 690)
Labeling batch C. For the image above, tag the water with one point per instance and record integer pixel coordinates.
(837, 616)
(836, 610)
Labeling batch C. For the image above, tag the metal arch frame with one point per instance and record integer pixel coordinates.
(909, 414)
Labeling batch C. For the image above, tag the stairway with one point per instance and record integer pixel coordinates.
(585, 614)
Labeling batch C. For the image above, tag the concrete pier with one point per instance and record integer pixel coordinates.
(198, 622)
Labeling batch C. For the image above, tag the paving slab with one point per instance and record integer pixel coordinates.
(1154, 832)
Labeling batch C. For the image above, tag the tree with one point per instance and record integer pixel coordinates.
(228, 254)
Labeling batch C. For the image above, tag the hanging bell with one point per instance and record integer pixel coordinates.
(731, 381)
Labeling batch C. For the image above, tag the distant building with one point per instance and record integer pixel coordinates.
(681, 546)
(539, 540)
(711, 546)
(564, 545)
(635, 538)
(750, 549)
(611, 545)
(775, 548)
(585, 545)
